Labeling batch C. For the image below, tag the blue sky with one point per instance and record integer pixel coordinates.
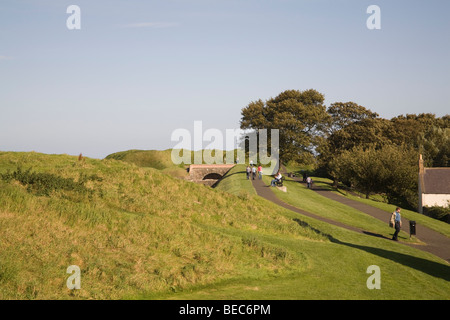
(138, 70)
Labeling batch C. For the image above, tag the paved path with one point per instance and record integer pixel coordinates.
(265, 191)
(435, 242)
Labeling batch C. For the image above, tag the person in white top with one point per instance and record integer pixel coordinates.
(309, 182)
(277, 178)
(253, 172)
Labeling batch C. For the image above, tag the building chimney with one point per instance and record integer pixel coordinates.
(421, 169)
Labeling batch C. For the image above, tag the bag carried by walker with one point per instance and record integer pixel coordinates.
(392, 220)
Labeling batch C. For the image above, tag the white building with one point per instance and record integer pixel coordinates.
(434, 186)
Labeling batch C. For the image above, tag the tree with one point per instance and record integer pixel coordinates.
(434, 145)
(426, 133)
(361, 169)
(408, 128)
(365, 133)
(391, 170)
(300, 116)
(344, 113)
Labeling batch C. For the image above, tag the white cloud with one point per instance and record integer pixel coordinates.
(5, 58)
(156, 25)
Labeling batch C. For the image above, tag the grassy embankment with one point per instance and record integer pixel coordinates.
(157, 159)
(134, 232)
(162, 159)
(140, 233)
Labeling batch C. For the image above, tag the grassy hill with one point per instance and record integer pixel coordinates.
(162, 159)
(131, 230)
(137, 232)
(157, 159)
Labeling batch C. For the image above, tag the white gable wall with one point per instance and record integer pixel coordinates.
(435, 200)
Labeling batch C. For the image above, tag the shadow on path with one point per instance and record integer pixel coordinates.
(432, 268)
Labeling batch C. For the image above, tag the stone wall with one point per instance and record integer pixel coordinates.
(197, 172)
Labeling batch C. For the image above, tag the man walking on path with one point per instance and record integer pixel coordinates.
(260, 172)
(248, 170)
(397, 223)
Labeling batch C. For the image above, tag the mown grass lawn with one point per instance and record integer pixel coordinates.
(337, 269)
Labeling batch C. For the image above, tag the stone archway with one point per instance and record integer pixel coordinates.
(208, 174)
(212, 175)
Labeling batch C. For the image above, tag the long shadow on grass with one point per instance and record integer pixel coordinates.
(227, 176)
(432, 268)
(307, 225)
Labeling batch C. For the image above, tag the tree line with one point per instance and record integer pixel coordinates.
(352, 144)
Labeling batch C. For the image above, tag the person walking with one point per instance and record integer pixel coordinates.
(260, 172)
(253, 172)
(309, 182)
(397, 223)
(248, 170)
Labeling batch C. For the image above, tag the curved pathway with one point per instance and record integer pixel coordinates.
(435, 242)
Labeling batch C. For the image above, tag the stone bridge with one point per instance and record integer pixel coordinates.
(208, 174)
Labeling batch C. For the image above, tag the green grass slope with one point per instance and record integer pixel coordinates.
(338, 267)
(236, 182)
(162, 159)
(157, 159)
(138, 233)
(132, 231)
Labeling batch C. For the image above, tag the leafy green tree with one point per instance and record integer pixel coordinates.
(426, 133)
(345, 113)
(365, 133)
(361, 169)
(300, 116)
(410, 127)
(391, 170)
(434, 144)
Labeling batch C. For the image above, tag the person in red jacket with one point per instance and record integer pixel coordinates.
(260, 172)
